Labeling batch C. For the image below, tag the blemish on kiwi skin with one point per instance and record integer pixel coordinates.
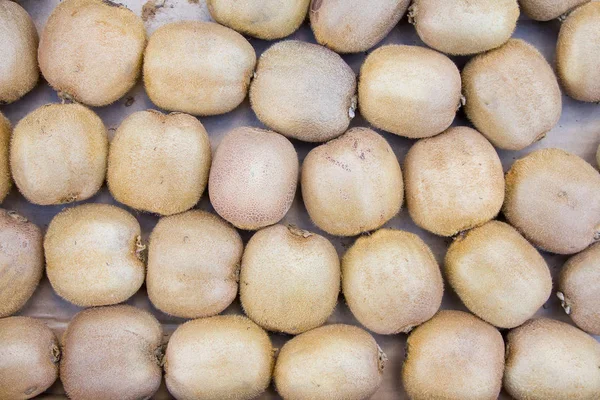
(381, 359)
(564, 302)
(353, 106)
(112, 3)
(315, 5)
(16, 216)
(55, 354)
(139, 248)
(160, 356)
(412, 14)
(294, 230)
(30, 390)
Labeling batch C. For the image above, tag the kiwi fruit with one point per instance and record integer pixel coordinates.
(29, 352)
(200, 68)
(303, 91)
(263, 19)
(464, 27)
(545, 10)
(112, 353)
(579, 285)
(91, 50)
(391, 281)
(253, 177)
(5, 178)
(578, 53)
(222, 357)
(548, 359)
(454, 356)
(598, 156)
(159, 163)
(333, 362)
(193, 264)
(354, 26)
(553, 199)
(289, 279)
(93, 255)
(58, 154)
(410, 91)
(454, 181)
(18, 52)
(352, 184)
(512, 95)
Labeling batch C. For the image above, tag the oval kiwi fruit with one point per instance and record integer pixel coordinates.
(253, 177)
(58, 154)
(545, 10)
(512, 95)
(222, 357)
(289, 279)
(454, 356)
(324, 106)
(548, 359)
(553, 198)
(410, 91)
(498, 274)
(93, 255)
(5, 178)
(193, 264)
(29, 352)
(352, 184)
(159, 163)
(112, 353)
(95, 63)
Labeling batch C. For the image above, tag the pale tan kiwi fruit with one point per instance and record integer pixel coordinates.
(91, 50)
(222, 357)
(454, 356)
(410, 91)
(58, 154)
(354, 26)
(5, 178)
(333, 362)
(18, 52)
(200, 68)
(289, 279)
(303, 91)
(352, 184)
(454, 181)
(112, 353)
(464, 27)
(548, 359)
(159, 163)
(253, 177)
(193, 264)
(21, 261)
(553, 199)
(263, 19)
(498, 274)
(93, 255)
(512, 95)
(30, 353)
(545, 10)
(391, 281)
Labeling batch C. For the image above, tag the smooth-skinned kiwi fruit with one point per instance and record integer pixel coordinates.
(553, 199)
(5, 177)
(58, 154)
(454, 356)
(545, 10)
(333, 362)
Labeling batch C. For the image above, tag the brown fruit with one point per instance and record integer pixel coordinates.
(5, 179)
(545, 10)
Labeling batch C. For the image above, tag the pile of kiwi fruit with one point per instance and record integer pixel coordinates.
(240, 238)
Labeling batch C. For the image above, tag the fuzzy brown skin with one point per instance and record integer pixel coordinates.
(553, 199)
(410, 91)
(333, 362)
(5, 178)
(112, 353)
(58, 154)
(512, 95)
(354, 26)
(223, 357)
(454, 356)
(159, 163)
(548, 359)
(29, 352)
(303, 91)
(545, 10)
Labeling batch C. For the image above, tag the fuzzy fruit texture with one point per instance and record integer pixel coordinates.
(545, 10)
(159, 163)
(454, 356)
(5, 178)
(222, 357)
(333, 362)
(303, 91)
(553, 199)
(512, 95)
(352, 184)
(410, 91)
(58, 154)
